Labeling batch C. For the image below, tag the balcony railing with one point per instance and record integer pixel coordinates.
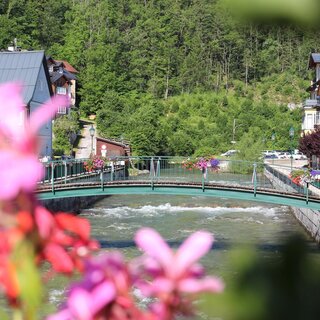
(310, 103)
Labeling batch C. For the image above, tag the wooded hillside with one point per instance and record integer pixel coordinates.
(172, 76)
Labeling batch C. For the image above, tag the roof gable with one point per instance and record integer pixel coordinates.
(314, 59)
(68, 66)
(23, 67)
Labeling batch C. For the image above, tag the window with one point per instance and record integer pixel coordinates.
(318, 72)
(62, 110)
(310, 123)
(61, 90)
(317, 118)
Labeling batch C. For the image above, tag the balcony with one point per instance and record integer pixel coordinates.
(311, 103)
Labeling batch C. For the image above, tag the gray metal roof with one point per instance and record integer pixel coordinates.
(22, 66)
(316, 57)
(57, 75)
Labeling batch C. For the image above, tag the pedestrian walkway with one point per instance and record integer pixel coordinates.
(86, 142)
(297, 164)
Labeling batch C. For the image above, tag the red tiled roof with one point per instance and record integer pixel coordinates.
(68, 66)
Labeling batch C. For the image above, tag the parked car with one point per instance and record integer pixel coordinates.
(271, 156)
(229, 153)
(65, 157)
(299, 156)
(268, 153)
(284, 155)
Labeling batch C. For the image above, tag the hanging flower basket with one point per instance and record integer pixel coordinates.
(94, 163)
(202, 164)
(188, 164)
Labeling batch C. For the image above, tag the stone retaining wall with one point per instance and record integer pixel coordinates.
(309, 218)
(72, 205)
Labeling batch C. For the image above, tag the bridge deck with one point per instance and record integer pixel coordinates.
(180, 188)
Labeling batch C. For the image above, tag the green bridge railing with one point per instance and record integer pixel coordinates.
(224, 172)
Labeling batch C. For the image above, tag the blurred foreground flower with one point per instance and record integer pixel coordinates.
(175, 277)
(172, 278)
(30, 234)
(20, 168)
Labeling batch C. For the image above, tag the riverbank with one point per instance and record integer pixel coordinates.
(309, 218)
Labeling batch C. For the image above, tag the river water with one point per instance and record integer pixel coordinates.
(115, 219)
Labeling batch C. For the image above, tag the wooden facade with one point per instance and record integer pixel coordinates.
(111, 148)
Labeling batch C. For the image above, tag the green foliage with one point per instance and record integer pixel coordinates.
(251, 145)
(297, 173)
(199, 65)
(65, 130)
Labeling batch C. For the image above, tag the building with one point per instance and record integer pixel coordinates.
(30, 69)
(63, 79)
(112, 147)
(311, 106)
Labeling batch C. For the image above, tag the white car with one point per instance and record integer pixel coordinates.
(229, 153)
(299, 156)
(284, 155)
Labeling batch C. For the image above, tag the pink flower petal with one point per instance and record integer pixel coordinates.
(64, 314)
(102, 295)
(156, 287)
(18, 172)
(79, 304)
(44, 221)
(209, 284)
(46, 112)
(11, 106)
(152, 243)
(191, 250)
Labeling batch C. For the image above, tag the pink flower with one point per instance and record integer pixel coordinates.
(19, 166)
(174, 275)
(104, 293)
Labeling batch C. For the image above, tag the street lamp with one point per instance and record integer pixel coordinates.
(92, 132)
(291, 134)
(273, 138)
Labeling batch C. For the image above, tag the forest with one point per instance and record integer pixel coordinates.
(182, 77)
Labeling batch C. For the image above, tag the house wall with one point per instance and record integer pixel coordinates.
(40, 96)
(73, 93)
(112, 149)
(309, 116)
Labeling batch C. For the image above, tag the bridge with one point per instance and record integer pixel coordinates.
(234, 179)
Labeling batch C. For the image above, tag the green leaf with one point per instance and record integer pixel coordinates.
(29, 280)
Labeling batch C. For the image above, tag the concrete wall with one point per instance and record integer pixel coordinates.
(310, 219)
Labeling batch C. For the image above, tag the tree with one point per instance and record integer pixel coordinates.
(65, 130)
(309, 144)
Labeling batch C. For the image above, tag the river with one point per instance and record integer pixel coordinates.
(115, 219)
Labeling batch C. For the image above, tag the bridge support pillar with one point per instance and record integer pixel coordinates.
(52, 177)
(202, 182)
(102, 180)
(65, 172)
(254, 178)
